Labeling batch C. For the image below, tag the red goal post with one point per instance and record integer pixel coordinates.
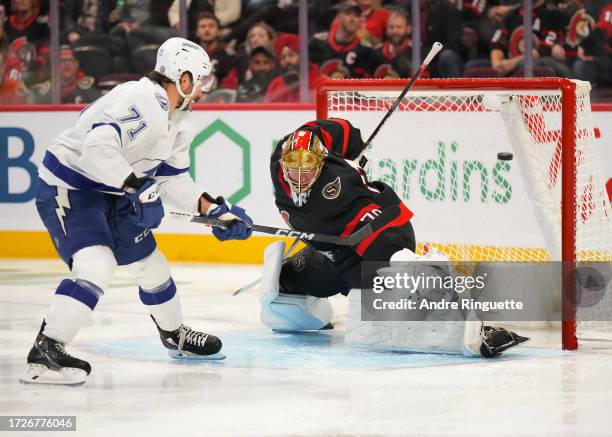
(555, 113)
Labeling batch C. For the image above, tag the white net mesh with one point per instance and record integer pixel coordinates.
(439, 151)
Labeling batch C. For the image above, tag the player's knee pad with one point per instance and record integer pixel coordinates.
(152, 272)
(94, 265)
(284, 312)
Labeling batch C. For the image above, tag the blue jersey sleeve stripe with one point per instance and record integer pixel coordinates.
(72, 177)
(113, 125)
(168, 170)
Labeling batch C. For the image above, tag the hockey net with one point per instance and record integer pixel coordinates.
(441, 153)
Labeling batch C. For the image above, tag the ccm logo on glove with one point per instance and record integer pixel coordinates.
(144, 195)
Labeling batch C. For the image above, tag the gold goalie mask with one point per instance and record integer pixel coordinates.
(302, 157)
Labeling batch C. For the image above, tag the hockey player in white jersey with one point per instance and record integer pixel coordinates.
(101, 188)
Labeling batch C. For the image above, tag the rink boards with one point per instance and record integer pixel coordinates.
(230, 156)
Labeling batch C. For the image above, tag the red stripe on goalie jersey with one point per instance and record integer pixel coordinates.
(345, 133)
(402, 218)
(350, 227)
(327, 138)
(340, 136)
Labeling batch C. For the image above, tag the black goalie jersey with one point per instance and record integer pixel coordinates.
(342, 200)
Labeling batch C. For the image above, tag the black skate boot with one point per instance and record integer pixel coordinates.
(185, 343)
(495, 340)
(49, 363)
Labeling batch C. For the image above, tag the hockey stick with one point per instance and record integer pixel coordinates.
(258, 280)
(350, 240)
(435, 49)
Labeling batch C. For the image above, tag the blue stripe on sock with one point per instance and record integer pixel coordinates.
(158, 297)
(84, 295)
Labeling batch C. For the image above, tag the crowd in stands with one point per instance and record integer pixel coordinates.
(254, 46)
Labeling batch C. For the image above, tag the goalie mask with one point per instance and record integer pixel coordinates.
(302, 157)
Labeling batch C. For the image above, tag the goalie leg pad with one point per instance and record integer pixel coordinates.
(291, 312)
(288, 312)
(273, 259)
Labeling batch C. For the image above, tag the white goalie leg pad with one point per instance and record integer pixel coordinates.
(409, 336)
(285, 312)
(273, 259)
(448, 333)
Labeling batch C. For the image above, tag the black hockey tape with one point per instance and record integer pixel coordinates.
(505, 156)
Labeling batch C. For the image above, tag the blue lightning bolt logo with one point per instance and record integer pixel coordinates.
(63, 203)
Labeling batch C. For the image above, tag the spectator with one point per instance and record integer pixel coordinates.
(11, 91)
(335, 69)
(207, 35)
(374, 20)
(91, 17)
(507, 43)
(227, 12)
(594, 61)
(386, 71)
(481, 19)
(25, 21)
(282, 15)
(76, 87)
(443, 24)
(259, 35)
(262, 70)
(145, 22)
(285, 88)
(343, 43)
(397, 50)
(24, 64)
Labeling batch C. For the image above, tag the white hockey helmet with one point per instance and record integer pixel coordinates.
(177, 56)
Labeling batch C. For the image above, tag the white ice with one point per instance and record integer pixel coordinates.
(283, 384)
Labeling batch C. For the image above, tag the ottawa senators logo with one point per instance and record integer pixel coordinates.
(332, 190)
(581, 25)
(517, 42)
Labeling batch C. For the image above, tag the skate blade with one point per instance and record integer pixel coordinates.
(41, 374)
(186, 356)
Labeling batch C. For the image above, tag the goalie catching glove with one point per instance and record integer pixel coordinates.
(239, 223)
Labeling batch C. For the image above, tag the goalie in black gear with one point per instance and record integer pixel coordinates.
(318, 187)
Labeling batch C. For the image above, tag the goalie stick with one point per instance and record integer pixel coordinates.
(350, 240)
(435, 49)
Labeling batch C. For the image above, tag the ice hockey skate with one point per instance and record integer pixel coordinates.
(187, 344)
(49, 363)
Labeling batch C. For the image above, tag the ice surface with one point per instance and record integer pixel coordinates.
(283, 384)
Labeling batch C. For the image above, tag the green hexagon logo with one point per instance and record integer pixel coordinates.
(235, 138)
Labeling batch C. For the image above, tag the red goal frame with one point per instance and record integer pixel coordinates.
(568, 149)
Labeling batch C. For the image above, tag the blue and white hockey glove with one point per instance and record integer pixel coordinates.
(240, 222)
(143, 192)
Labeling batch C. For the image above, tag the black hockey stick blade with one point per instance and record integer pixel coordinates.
(350, 240)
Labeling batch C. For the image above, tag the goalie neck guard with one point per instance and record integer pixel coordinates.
(301, 160)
